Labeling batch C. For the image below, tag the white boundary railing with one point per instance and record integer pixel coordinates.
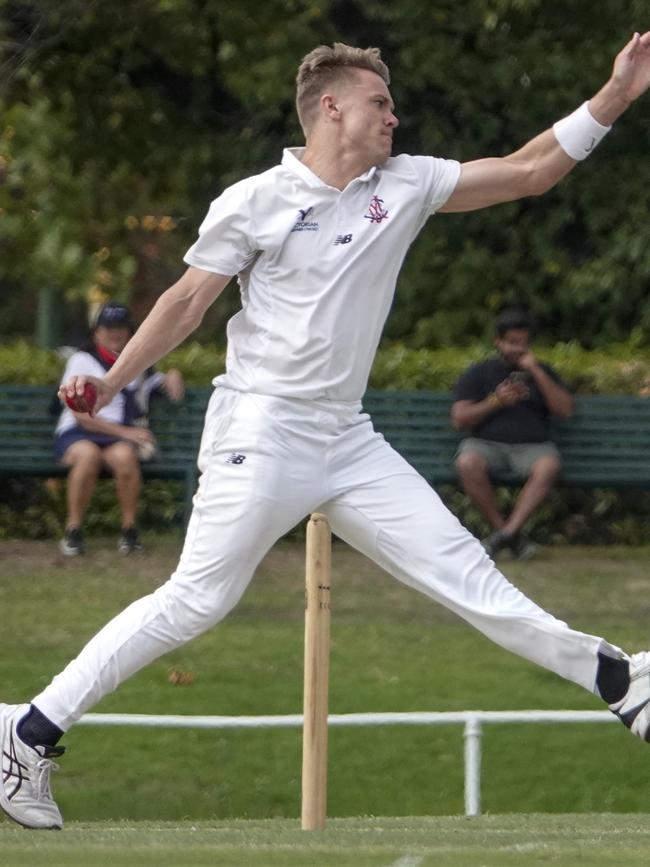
(472, 720)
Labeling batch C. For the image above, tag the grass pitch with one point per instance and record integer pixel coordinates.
(392, 650)
(595, 840)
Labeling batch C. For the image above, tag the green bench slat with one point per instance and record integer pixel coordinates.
(606, 443)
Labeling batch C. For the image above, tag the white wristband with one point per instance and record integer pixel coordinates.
(579, 133)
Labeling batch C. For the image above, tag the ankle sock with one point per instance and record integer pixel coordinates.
(613, 678)
(35, 729)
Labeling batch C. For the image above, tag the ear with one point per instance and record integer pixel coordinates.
(330, 107)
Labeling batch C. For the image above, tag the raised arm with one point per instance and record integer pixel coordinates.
(175, 315)
(543, 161)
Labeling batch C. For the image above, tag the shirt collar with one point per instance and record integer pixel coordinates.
(291, 160)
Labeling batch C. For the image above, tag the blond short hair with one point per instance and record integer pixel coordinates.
(325, 66)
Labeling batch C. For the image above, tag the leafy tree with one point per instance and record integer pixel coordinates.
(121, 121)
(480, 80)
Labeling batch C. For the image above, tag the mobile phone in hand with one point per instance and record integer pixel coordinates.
(518, 376)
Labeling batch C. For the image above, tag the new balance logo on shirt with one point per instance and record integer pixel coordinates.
(236, 459)
(342, 239)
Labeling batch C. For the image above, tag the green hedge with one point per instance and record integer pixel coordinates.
(622, 368)
(618, 369)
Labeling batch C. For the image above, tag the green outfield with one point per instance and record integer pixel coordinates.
(604, 840)
(392, 650)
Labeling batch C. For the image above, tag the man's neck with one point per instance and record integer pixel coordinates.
(334, 168)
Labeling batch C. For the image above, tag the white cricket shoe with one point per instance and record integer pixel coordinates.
(633, 709)
(25, 794)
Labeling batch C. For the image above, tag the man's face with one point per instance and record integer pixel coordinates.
(366, 116)
(114, 339)
(514, 343)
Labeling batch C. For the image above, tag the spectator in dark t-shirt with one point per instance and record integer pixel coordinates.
(506, 403)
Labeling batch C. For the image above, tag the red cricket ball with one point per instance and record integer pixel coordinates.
(83, 402)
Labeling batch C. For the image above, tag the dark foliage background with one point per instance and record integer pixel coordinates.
(120, 121)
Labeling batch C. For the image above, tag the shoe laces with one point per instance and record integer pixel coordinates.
(43, 769)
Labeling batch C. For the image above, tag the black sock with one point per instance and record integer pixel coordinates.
(613, 677)
(35, 729)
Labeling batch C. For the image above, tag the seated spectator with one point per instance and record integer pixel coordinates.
(116, 439)
(506, 402)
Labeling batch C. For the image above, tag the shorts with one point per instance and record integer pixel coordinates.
(63, 441)
(509, 458)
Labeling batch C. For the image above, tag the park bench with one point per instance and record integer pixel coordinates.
(27, 431)
(605, 444)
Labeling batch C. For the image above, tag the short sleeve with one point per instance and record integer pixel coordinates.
(226, 242)
(439, 177)
(469, 386)
(81, 364)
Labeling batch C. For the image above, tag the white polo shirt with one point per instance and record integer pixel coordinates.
(317, 269)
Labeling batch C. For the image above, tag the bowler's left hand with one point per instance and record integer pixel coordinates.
(631, 73)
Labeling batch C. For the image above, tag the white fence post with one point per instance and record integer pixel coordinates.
(471, 720)
(472, 734)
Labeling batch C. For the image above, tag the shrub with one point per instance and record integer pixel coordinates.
(621, 368)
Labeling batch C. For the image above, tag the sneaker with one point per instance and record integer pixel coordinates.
(633, 709)
(495, 542)
(522, 547)
(25, 794)
(129, 541)
(72, 543)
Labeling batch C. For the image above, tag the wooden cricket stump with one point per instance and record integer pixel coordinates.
(316, 682)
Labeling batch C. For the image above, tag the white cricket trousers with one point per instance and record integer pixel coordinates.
(266, 463)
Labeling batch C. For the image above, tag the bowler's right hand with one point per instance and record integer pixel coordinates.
(76, 385)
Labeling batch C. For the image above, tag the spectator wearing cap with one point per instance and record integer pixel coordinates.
(116, 439)
(505, 404)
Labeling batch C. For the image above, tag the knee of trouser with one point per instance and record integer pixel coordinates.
(192, 609)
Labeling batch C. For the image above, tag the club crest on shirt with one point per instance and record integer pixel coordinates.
(303, 223)
(376, 211)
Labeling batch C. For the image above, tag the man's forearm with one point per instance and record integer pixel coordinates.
(175, 315)
(542, 162)
(467, 414)
(547, 157)
(558, 400)
(165, 327)
(608, 104)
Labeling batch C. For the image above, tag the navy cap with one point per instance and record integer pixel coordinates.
(113, 315)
